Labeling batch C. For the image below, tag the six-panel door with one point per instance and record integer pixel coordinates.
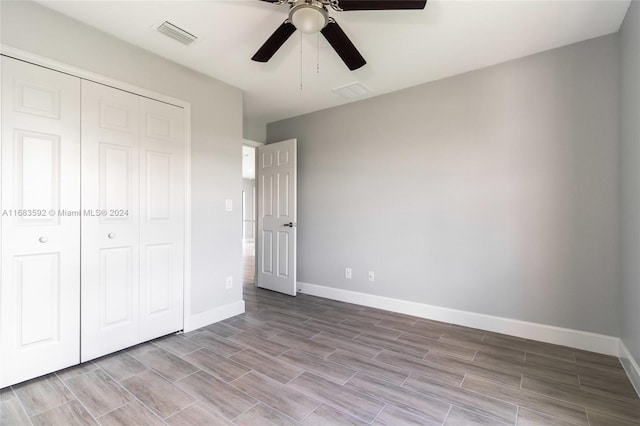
(276, 236)
(110, 228)
(133, 238)
(40, 284)
(161, 218)
(92, 240)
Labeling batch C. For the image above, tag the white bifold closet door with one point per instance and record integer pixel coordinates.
(40, 172)
(133, 238)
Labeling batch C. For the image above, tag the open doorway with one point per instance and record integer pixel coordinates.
(248, 211)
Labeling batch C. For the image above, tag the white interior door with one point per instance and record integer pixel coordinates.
(110, 223)
(162, 192)
(276, 236)
(40, 284)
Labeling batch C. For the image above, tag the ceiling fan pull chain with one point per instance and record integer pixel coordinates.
(301, 61)
(318, 53)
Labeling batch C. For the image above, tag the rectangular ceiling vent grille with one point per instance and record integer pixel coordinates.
(352, 91)
(176, 33)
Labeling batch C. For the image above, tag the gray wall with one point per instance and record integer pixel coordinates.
(494, 191)
(254, 130)
(216, 132)
(630, 179)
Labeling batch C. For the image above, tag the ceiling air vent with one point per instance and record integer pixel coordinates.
(176, 33)
(352, 91)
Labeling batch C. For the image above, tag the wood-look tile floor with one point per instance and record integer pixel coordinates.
(312, 361)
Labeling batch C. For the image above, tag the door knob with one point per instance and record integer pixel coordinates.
(43, 239)
(111, 235)
(290, 224)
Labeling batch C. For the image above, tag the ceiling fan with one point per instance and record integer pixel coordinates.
(312, 16)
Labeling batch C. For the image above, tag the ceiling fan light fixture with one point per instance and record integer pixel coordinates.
(309, 18)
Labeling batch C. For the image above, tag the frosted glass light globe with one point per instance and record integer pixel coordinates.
(308, 19)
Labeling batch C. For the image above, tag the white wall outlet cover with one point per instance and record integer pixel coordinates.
(347, 273)
(372, 276)
(229, 282)
(228, 204)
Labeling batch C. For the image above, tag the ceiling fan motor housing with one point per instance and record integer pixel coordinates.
(309, 16)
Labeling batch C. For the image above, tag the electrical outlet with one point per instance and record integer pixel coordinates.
(229, 282)
(372, 276)
(347, 273)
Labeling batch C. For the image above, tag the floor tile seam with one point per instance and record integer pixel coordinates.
(484, 413)
(24, 410)
(149, 367)
(77, 375)
(518, 403)
(603, 398)
(456, 404)
(50, 408)
(131, 393)
(599, 375)
(571, 421)
(194, 402)
(322, 399)
(301, 421)
(447, 416)
(588, 419)
(126, 377)
(258, 402)
(329, 354)
(385, 404)
(355, 373)
(577, 405)
(114, 409)
(149, 408)
(547, 355)
(295, 334)
(608, 414)
(298, 375)
(82, 403)
(183, 355)
(464, 377)
(393, 367)
(605, 394)
(604, 368)
(197, 399)
(261, 351)
(522, 403)
(405, 380)
(408, 371)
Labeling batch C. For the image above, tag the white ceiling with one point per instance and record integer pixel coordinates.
(402, 48)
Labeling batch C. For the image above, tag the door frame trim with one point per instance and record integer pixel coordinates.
(54, 65)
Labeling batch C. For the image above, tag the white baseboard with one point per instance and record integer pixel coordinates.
(211, 316)
(593, 342)
(630, 366)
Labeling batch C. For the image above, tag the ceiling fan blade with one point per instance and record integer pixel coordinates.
(348, 5)
(273, 43)
(342, 45)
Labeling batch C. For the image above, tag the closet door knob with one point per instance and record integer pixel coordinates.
(43, 239)
(111, 235)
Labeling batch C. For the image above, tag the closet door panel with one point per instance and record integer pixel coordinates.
(162, 218)
(110, 228)
(40, 203)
